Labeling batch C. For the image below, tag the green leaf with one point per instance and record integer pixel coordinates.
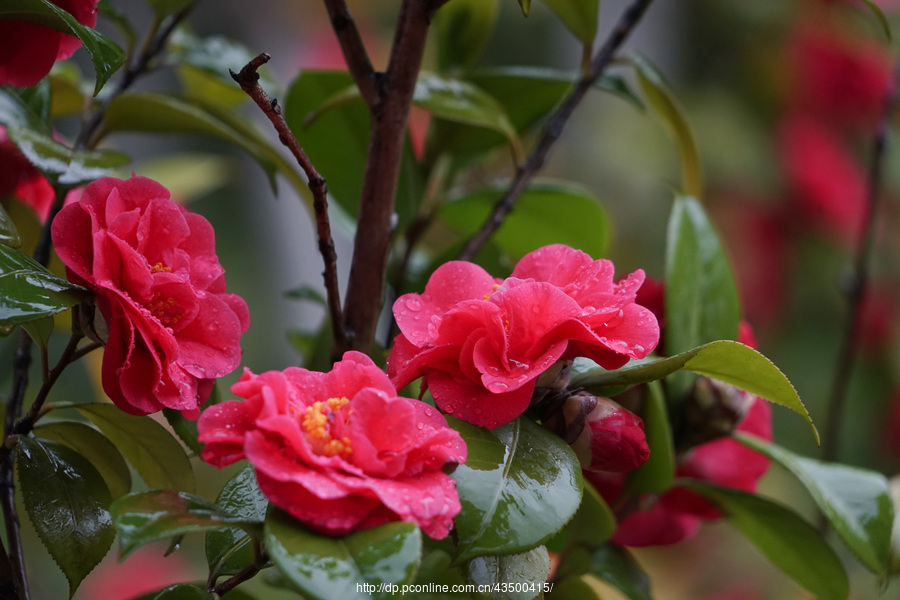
(164, 8)
(342, 165)
(29, 291)
(463, 28)
(527, 570)
(579, 16)
(17, 111)
(663, 102)
(230, 550)
(182, 591)
(106, 56)
(594, 523)
(324, 568)
(727, 361)
(67, 502)
(572, 588)
(857, 502)
(463, 102)
(40, 331)
(525, 5)
(882, 20)
(146, 517)
(658, 472)
(150, 449)
(520, 485)
(62, 164)
(118, 18)
(701, 295)
(160, 113)
(791, 543)
(92, 445)
(9, 235)
(185, 429)
(616, 567)
(543, 216)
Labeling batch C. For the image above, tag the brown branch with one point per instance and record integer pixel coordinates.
(260, 558)
(554, 128)
(365, 291)
(859, 279)
(248, 79)
(354, 49)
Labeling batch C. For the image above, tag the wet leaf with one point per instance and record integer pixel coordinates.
(519, 486)
(230, 550)
(94, 446)
(527, 571)
(324, 567)
(67, 503)
(29, 291)
(579, 16)
(106, 55)
(857, 502)
(9, 235)
(618, 568)
(62, 164)
(594, 523)
(658, 472)
(792, 544)
(151, 450)
(146, 517)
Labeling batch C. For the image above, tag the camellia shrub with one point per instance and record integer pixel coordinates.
(489, 407)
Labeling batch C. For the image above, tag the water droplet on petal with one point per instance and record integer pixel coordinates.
(428, 412)
(413, 303)
(497, 387)
(420, 426)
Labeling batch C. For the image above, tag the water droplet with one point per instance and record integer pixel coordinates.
(420, 426)
(497, 387)
(413, 303)
(621, 313)
(638, 348)
(493, 370)
(492, 424)
(450, 408)
(477, 411)
(428, 412)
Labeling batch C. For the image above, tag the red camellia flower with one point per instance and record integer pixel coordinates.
(19, 178)
(159, 285)
(28, 51)
(339, 451)
(481, 343)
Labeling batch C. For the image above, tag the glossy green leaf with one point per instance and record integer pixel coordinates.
(28, 291)
(151, 450)
(543, 215)
(663, 102)
(525, 5)
(17, 111)
(857, 502)
(616, 567)
(230, 550)
(62, 164)
(882, 20)
(520, 485)
(463, 28)
(463, 102)
(579, 16)
(526, 571)
(40, 331)
(702, 302)
(324, 567)
(92, 445)
(185, 429)
(106, 56)
(67, 503)
(657, 473)
(9, 235)
(594, 523)
(164, 8)
(572, 588)
(437, 568)
(159, 113)
(792, 544)
(727, 361)
(182, 591)
(146, 517)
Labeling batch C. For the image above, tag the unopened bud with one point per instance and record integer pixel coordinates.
(712, 410)
(604, 436)
(91, 321)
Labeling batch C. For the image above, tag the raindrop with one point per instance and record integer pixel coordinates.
(638, 348)
(420, 426)
(413, 303)
(428, 412)
(621, 313)
(497, 387)
(477, 411)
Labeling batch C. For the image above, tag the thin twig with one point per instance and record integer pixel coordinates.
(858, 282)
(260, 558)
(353, 48)
(248, 79)
(554, 128)
(389, 116)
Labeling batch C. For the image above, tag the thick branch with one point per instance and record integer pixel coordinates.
(365, 292)
(354, 49)
(859, 278)
(248, 79)
(554, 128)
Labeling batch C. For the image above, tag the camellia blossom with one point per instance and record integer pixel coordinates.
(28, 50)
(481, 343)
(340, 451)
(19, 178)
(161, 290)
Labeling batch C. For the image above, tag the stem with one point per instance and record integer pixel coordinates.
(859, 278)
(248, 79)
(260, 558)
(354, 50)
(389, 114)
(553, 129)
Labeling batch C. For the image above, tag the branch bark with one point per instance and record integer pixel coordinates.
(365, 291)
(248, 79)
(554, 128)
(354, 49)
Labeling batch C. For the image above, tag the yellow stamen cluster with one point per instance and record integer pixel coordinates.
(316, 424)
(166, 310)
(486, 296)
(159, 267)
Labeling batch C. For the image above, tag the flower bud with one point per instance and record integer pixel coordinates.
(712, 410)
(604, 436)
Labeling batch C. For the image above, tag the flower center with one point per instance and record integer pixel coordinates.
(165, 309)
(159, 267)
(324, 425)
(486, 296)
